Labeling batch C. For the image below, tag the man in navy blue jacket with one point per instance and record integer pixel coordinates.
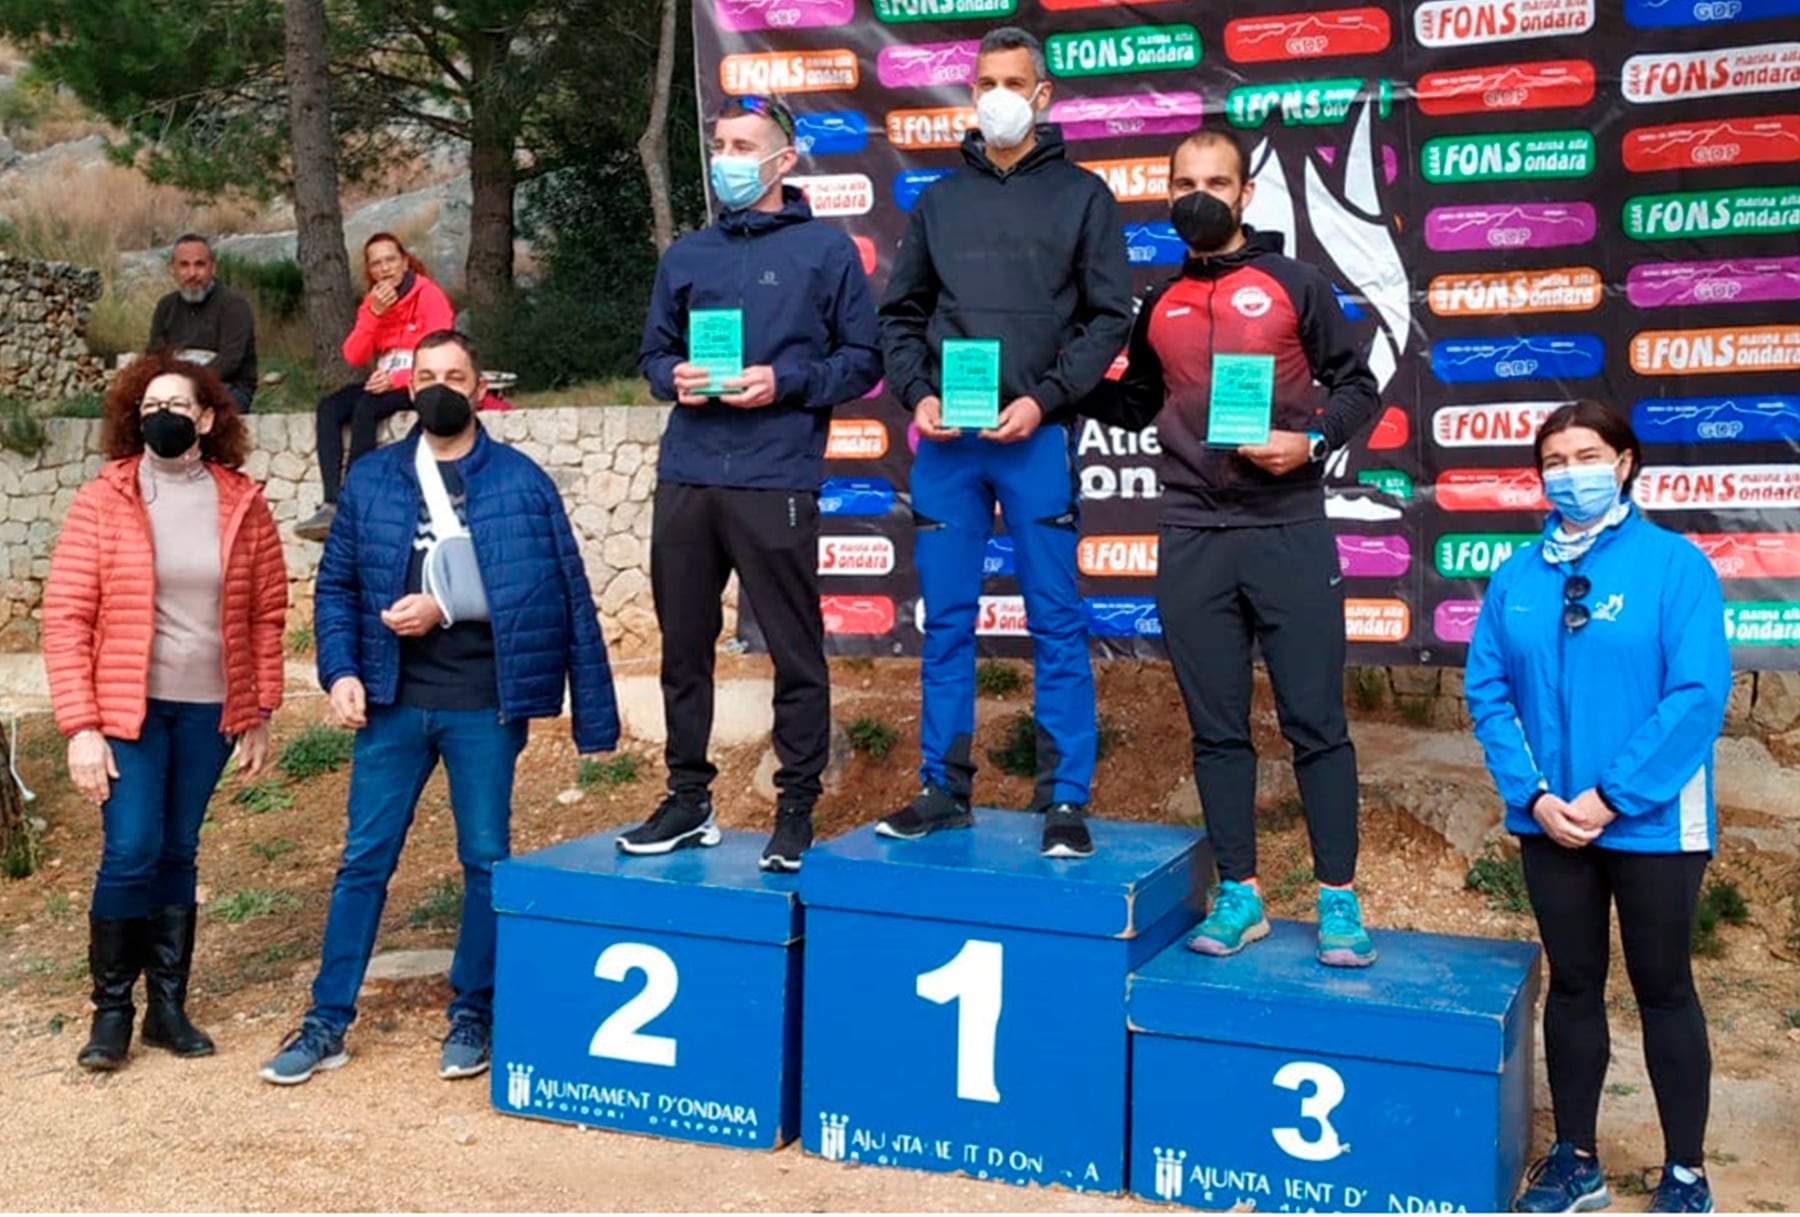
(738, 473)
(445, 621)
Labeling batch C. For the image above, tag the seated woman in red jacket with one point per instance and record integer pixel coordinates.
(402, 307)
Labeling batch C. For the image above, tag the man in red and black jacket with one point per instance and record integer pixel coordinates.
(1245, 553)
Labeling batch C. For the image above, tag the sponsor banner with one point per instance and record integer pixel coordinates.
(1490, 490)
(1069, 6)
(896, 11)
(1751, 555)
(1001, 617)
(856, 556)
(1513, 156)
(1768, 67)
(857, 616)
(1394, 483)
(1133, 114)
(1717, 487)
(1507, 226)
(856, 439)
(1535, 357)
(830, 133)
(1391, 431)
(1123, 617)
(865, 252)
(1135, 179)
(1717, 143)
(1724, 281)
(1661, 14)
(1123, 556)
(836, 194)
(1762, 623)
(927, 65)
(1288, 36)
(1743, 211)
(1136, 48)
(1511, 424)
(909, 184)
(1744, 348)
(1462, 23)
(1154, 244)
(1550, 85)
(1369, 557)
(1746, 419)
(789, 71)
(855, 497)
(1387, 621)
(997, 559)
(1306, 103)
(741, 16)
(1476, 555)
(1562, 289)
(1453, 621)
(939, 127)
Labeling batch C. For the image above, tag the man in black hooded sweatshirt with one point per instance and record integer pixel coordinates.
(1023, 246)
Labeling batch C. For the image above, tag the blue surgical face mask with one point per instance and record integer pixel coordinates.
(737, 180)
(1582, 493)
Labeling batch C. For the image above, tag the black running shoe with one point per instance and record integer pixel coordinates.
(683, 821)
(1066, 832)
(793, 836)
(933, 808)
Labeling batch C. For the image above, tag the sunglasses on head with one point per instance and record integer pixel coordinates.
(1575, 590)
(772, 110)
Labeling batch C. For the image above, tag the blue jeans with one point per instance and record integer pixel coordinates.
(394, 755)
(151, 820)
(955, 485)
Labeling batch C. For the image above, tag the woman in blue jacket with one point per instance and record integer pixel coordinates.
(1597, 679)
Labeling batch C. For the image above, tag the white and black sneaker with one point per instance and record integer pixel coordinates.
(1066, 832)
(793, 837)
(683, 821)
(931, 810)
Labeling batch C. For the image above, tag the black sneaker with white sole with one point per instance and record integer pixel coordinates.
(1066, 832)
(793, 837)
(683, 821)
(931, 810)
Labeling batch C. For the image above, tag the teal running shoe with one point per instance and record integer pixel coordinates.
(1235, 922)
(1343, 943)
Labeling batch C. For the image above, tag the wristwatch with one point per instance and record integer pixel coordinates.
(1317, 449)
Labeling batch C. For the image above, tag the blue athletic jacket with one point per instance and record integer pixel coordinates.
(546, 632)
(807, 315)
(1628, 704)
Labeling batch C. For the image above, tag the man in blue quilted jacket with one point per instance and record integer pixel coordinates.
(451, 608)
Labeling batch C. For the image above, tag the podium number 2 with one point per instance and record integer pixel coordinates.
(972, 980)
(1327, 1093)
(619, 1037)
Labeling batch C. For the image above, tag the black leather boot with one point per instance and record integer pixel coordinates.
(167, 963)
(115, 955)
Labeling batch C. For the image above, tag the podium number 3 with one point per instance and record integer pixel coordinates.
(972, 980)
(1327, 1093)
(619, 1037)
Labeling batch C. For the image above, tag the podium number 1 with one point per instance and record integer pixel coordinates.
(972, 980)
(619, 1037)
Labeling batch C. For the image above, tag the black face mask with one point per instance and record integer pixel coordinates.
(169, 434)
(1204, 222)
(442, 410)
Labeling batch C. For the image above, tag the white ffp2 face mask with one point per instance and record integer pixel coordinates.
(1005, 118)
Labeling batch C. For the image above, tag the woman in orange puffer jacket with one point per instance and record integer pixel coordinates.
(162, 634)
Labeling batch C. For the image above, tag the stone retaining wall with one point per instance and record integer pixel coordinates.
(44, 308)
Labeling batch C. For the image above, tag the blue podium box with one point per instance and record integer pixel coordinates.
(965, 998)
(1267, 1079)
(655, 995)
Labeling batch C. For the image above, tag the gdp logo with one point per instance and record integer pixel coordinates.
(1306, 103)
(1490, 490)
(856, 556)
(857, 616)
(790, 71)
(909, 184)
(1750, 419)
(1506, 226)
(1127, 557)
(1373, 557)
(1725, 281)
(1744, 211)
(1746, 348)
(927, 65)
(855, 497)
(1713, 144)
(1131, 114)
(1751, 555)
(1285, 36)
(1154, 244)
(997, 559)
(856, 439)
(1537, 357)
(1765, 68)
(1525, 156)
(1550, 85)
(741, 15)
(830, 133)
(1001, 617)
(1377, 620)
(836, 194)
(1123, 617)
(1499, 426)
(1136, 179)
(1660, 14)
(1453, 621)
(1565, 289)
(1476, 555)
(1454, 23)
(898, 11)
(1134, 48)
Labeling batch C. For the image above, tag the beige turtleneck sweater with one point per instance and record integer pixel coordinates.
(187, 659)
